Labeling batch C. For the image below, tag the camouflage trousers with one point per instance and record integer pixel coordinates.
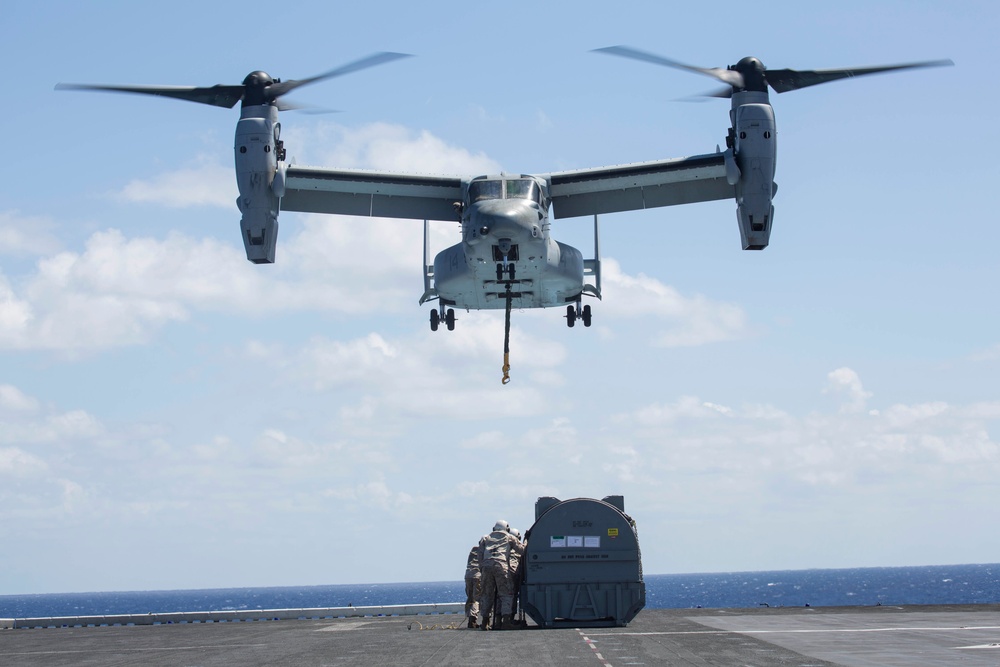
(496, 581)
(473, 591)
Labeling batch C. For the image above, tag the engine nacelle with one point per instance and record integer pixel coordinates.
(255, 166)
(755, 148)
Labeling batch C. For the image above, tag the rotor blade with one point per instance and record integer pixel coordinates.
(219, 95)
(784, 80)
(279, 89)
(734, 79)
(724, 93)
(288, 105)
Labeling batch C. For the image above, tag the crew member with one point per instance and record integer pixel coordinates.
(473, 590)
(494, 555)
(515, 560)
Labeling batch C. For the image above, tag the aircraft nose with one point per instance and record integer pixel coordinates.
(501, 219)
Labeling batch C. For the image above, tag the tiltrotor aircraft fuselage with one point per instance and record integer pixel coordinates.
(507, 256)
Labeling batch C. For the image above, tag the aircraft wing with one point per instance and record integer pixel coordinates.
(640, 185)
(371, 193)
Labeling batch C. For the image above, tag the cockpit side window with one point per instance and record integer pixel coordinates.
(480, 190)
(523, 188)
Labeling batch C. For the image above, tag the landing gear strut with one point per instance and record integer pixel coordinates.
(575, 311)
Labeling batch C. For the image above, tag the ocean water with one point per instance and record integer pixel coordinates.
(936, 584)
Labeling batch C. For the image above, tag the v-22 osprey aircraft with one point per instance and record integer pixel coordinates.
(507, 256)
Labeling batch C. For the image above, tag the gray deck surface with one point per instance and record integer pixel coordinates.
(813, 637)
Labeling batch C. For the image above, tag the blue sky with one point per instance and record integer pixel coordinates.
(172, 416)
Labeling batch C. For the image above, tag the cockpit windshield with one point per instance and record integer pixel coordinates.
(514, 188)
(523, 188)
(480, 190)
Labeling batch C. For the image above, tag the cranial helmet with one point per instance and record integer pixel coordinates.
(501, 525)
(515, 532)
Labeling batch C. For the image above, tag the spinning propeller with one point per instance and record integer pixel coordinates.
(749, 74)
(258, 88)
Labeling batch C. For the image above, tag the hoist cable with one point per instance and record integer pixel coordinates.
(506, 339)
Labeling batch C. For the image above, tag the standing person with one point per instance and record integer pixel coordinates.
(514, 565)
(473, 589)
(494, 555)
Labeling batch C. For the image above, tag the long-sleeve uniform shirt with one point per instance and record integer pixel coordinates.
(494, 561)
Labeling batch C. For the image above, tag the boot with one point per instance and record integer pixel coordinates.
(472, 622)
(506, 622)
(486, 622)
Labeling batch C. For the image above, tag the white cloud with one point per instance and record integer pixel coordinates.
(12, 398)
(487, 440)
(24, 422)
(113, 293)
(15, 313)
(381, 146)
(375, 493)
(119, 290)
(385, 147)
(17, 463)
(278, 449)
(981, 410)
(686, 407)
(484, 115)
(73, 495)
(421, 374)
(624, 463)
(61, 428)
(902, 416)
(477, 490)
(989, 354)
(205, 183)
(75, 424)
(845, 381)
(26, 235)
(905, 446)
(693, 320)
(451, 448)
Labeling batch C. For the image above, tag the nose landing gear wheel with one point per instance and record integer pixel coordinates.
(570, 316)
(435, 320)
(585, 316)
(449, 319)
(509, 270)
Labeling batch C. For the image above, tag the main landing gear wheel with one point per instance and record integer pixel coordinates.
(448, 316)
(574, 312)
